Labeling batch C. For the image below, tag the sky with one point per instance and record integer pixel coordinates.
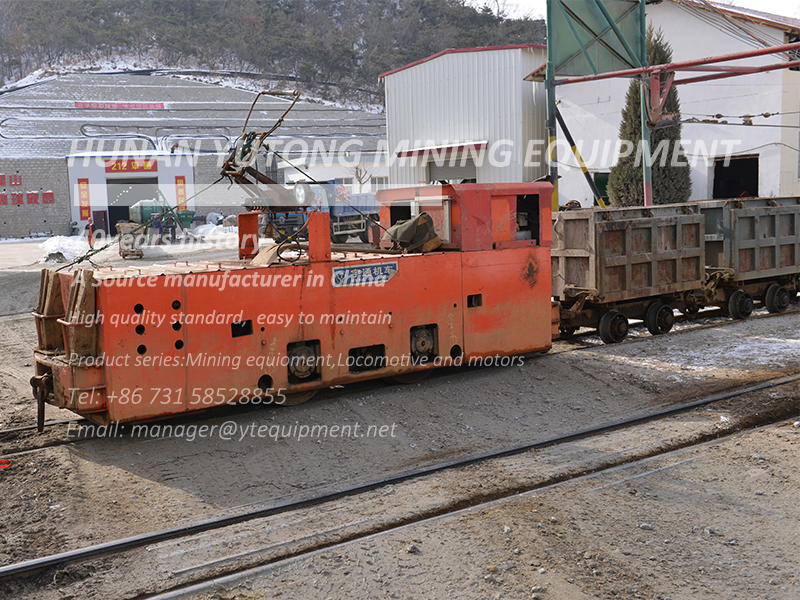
(536, 8)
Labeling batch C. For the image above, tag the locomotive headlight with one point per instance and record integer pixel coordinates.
(302, 193)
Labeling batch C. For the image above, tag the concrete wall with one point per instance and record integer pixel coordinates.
(39, 175)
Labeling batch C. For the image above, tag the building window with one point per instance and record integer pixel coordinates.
(347, 182)
(379, 183)
(466, 173)
(737, 180)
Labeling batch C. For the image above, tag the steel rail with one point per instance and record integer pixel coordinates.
(203, 585)
(33, 566)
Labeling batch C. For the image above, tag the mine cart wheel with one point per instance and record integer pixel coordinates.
(412, 377)
(659, 318)
(296, 398)
(339, 238)
(567, 331)
(740, 305)
(776, 299)
(613, 327)
(364, 236)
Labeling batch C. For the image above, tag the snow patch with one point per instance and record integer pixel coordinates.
(213, 230)
(70, 247)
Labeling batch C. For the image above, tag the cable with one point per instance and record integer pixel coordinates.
(766, 115)
(706, 156)
(709, 122)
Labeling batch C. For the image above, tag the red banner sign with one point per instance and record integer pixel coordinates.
(83, 198)
(136, 165)
(121, 105)
(180, 191)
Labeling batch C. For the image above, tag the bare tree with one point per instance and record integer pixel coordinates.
(361, 175)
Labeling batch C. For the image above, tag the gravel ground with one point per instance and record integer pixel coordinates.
(711, 522)
(71, 496)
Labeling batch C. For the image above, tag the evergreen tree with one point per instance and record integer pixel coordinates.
(671, 184)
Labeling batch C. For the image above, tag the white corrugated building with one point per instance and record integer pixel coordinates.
(466, 115)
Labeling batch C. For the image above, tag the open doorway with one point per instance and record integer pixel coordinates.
(124, 193)
(738, 180)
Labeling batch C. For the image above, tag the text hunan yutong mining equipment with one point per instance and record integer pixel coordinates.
(124, 345)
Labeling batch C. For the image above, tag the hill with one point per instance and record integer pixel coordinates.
(335, 48)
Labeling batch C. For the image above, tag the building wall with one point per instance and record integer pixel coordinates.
(320, 172)
(467, 97)
(593, 112)
(38, 175)
(94, 170)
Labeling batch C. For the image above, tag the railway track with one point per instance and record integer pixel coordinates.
(646, 466)
(318, 502)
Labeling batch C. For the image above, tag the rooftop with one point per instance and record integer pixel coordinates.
(460, 50)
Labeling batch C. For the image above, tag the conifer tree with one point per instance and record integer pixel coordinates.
(672, 181)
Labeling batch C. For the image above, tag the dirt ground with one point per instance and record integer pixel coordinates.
(70, 496)
(711, 522)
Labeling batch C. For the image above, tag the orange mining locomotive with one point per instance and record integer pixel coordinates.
(125, 345)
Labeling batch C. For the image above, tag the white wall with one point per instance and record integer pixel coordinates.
(337, 170)
(93, 167)
(467, 97)
(593, 110)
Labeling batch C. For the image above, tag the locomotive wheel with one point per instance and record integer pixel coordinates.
(776, 299)
(613, 327)
(659, 318)
(364, 237)
(413, 377)
(297, 398)
(339, 238)
(740, 305)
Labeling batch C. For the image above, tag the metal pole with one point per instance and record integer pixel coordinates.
(647, 166)
(685, 65)
(579, 158)
(551, 107)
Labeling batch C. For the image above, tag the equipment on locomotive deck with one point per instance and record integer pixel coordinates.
(285, 211)
(121, 345)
